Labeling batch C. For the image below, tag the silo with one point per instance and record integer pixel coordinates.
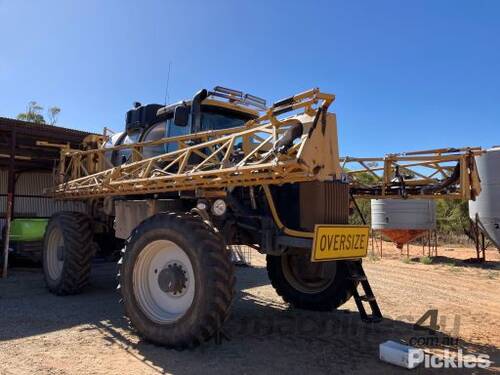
(403, 220)
(487, 204)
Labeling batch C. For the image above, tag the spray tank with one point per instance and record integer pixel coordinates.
(485, 210)
(403, 220)
(137, 120)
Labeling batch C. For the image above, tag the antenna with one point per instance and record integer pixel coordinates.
(168, 81)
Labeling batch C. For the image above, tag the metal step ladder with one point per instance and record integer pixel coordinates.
(356, 273)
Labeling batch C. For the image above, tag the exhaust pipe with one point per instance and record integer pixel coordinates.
(196, 110)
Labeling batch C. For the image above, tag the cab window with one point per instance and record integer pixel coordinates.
(175, 131)
(217, 119)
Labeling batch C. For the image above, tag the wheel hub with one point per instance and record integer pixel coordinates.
(163, 281)
(306, 276)
(172, 279)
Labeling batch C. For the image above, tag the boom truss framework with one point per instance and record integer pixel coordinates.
(441, 173)
(214, 160)
(267, 150)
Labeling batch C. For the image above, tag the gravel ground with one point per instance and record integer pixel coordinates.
(87, 334)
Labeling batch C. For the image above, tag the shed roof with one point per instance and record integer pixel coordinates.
(28, 154)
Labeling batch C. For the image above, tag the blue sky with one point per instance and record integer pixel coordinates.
(407, 74)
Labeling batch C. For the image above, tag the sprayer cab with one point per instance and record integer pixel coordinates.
(218, 109)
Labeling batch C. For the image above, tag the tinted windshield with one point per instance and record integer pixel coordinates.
(216, 120)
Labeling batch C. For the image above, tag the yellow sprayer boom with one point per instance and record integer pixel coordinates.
(267, 150)
(255, 154)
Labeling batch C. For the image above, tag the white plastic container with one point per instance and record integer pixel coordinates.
(400, 355)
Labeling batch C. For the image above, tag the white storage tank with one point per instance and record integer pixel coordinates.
(122, 156)
(403, 220)
(487, 204)
(112, 141)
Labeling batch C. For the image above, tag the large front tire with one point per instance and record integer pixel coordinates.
(67, 252)
(311, 286)
(176, 280)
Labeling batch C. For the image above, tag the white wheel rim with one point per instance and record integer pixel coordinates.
(54, 253)
(157, 304)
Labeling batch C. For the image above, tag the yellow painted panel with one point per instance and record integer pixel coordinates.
(332, 242)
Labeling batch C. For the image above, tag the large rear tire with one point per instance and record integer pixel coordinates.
(176, 280)
(311, 286)
(67, 252)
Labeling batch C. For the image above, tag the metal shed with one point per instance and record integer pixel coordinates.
(28, 155)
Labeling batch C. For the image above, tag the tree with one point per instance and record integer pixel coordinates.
(364, 204)
(452, 216)
(53, 113)
(33, 113)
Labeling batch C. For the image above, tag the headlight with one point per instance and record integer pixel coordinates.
(219, 207)
(201, 206)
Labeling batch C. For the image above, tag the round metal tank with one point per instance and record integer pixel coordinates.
(112, 141)
(487, 204)
(403, 220)
(121, 156)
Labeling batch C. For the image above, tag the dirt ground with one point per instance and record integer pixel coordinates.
(87, 334)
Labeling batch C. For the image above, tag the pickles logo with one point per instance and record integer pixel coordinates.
(448, 359)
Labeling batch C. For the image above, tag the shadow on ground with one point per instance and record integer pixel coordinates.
(472, 262)
(265, 336)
